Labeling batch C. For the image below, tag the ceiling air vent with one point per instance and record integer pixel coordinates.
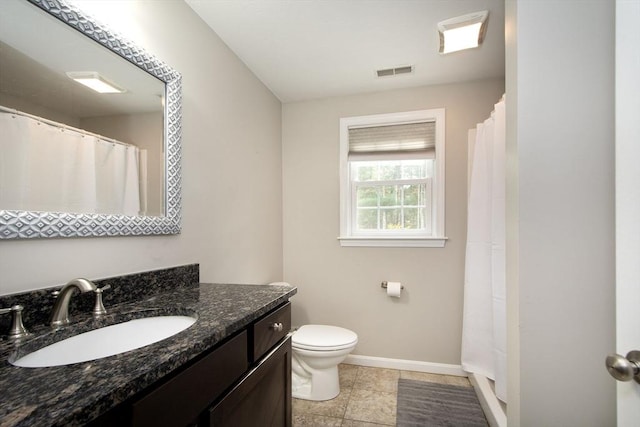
(407, 69)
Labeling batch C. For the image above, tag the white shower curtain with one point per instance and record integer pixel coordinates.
(484, 315)
(50, 168)
(117, 178)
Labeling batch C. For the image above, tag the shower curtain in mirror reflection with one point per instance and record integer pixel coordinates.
(55, 169)
(484, 337)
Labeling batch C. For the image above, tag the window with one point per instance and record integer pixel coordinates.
(392, 179)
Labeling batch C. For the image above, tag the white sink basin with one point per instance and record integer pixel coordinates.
(107, 341)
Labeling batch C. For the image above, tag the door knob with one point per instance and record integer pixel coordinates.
(624, 368)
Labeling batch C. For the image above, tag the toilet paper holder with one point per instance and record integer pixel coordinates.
(384, 285)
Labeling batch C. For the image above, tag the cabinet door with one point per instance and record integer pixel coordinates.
(263, 397)
(181, 399)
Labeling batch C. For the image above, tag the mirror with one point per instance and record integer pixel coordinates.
(75, 162)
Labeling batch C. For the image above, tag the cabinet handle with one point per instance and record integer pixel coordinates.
(276, 326)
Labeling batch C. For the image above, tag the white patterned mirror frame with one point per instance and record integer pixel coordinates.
(32, 224)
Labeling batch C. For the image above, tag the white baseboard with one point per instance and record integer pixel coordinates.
(490, 404)
(406, 365)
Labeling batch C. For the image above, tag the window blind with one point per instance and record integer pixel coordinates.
(414, 137)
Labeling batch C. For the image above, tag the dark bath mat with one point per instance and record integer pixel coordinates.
(428, 404)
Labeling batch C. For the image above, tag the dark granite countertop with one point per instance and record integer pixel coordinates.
(75, 394)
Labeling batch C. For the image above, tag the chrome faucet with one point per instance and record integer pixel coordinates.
(60, 312)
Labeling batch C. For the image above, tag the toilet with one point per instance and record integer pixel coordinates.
(317, 351)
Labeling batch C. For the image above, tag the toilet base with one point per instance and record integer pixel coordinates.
(324, 384)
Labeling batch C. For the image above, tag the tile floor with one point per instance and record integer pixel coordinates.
(367, 398)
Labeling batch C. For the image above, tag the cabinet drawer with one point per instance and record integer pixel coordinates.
(181, 399)
(269, 330)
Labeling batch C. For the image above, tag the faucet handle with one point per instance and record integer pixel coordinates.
(17, 329)
(98, 308)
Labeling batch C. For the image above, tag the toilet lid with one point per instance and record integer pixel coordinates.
(323, 337)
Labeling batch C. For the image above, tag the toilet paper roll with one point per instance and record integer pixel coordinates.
(394, 289)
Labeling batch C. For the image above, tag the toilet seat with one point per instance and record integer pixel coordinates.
(323, 338)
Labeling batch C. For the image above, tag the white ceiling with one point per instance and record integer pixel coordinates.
(305, 49)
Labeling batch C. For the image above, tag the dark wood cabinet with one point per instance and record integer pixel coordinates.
(180, 400)
(262, 398)
(244, 381)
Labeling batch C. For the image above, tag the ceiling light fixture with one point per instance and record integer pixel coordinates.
(95, 81)
(462, 32)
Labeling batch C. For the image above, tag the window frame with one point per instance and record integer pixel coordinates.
(348, 235)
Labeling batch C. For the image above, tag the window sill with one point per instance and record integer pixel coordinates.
(394, 242)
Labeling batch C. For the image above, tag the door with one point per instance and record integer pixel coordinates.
(627, 200)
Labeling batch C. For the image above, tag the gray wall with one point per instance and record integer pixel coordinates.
(341, 285)
(232, 207)
(560, 86)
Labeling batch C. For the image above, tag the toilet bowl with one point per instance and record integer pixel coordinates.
(317, 351)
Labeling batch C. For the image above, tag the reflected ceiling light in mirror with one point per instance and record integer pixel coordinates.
(95, 81)
(462, 32)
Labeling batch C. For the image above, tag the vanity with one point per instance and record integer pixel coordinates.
(232, 367)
